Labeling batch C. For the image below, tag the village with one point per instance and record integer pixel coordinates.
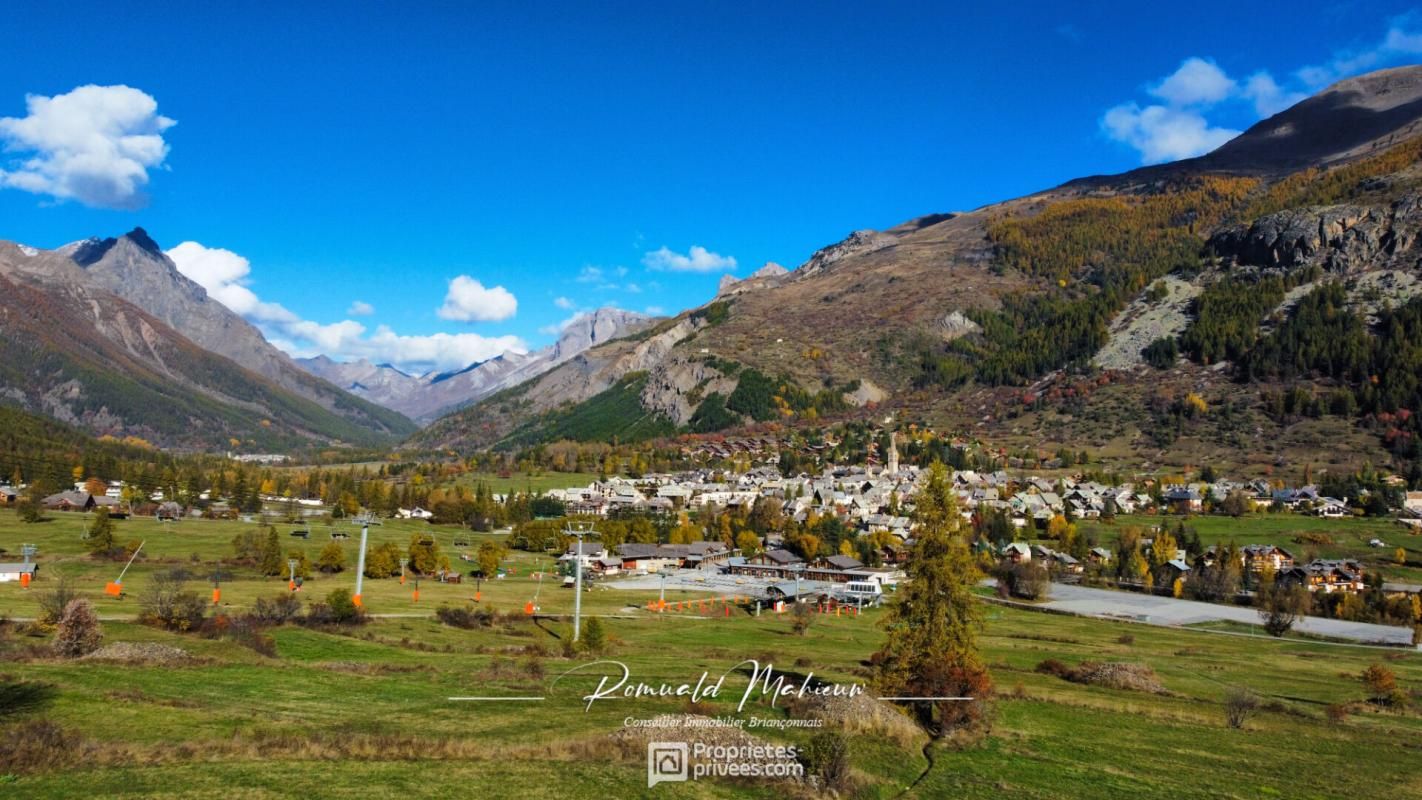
(1065, 527)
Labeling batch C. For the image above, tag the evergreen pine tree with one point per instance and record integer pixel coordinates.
(932, 649)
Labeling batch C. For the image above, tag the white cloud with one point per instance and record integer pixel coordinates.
(94, 145)
(225, 275)
(589, 274)
(1402, 42)
(698, 259)
(469, 301)
(360, 308)
(1179, 126)
(564, 303)
(1164, 134)
(1267, 96)
(442, 351)
(1197, 81)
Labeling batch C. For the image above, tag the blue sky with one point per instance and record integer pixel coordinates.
(474, 173)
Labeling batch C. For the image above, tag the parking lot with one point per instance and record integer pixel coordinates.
(1155, 610)
(693, 580)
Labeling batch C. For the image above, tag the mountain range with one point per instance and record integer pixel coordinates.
(1081, 315)
(1261, 303)
(433, 394)
(110, 336)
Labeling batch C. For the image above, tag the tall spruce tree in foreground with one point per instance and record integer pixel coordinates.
(932, 645)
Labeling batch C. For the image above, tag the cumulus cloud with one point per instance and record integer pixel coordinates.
(1179, 125)
(360, 308)
(1161, 133)
(94, 144)
(226, 277)
(1195, 81)
(469, 301)
(1268, 97)
(564, 303)
(698, 259)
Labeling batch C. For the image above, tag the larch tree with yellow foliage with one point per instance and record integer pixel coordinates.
(931, 651)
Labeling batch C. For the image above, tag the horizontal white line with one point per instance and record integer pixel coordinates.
(927, 698)
(487, 699)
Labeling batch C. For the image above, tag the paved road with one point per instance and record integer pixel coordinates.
(1169, 611)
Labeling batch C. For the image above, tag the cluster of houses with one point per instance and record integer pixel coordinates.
(1319, 575)
(781, 574)
(865, 499)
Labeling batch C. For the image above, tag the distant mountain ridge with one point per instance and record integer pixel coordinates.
(428, 396)
(75, 350)
(972, 320)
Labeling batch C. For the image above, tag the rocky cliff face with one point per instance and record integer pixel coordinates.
(857, 243)
(1342, 239)
(134, 268)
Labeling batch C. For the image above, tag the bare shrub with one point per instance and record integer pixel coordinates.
(1338, 712)
(1239, 705)
(1028, 580)
(78, 632)
(1052, 666)
(1113, 675)
(860, 715)
(53, 602)
(144, 653)
(166, 603)
(276, 610)
(466, 617)
(802, 616)
(40, 746)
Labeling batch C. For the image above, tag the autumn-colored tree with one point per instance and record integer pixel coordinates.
(424, 554)
(748, 543)
(78, 632)
(1381, 682)
(1057, 526)
(1399, 556)
(332, 558)
(489, 555)
(96, 487)
(931, 649)
(642, 531)
(383, 561)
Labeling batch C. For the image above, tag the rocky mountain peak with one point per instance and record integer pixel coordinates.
(857, 243)
(141, 238)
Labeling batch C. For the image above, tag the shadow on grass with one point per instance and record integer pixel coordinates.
(20, 697)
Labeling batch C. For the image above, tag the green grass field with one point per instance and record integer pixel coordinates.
(366, 712)
(1349, 537)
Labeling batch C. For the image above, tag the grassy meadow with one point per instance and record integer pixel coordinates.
(366, 710)
(1300, 534)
